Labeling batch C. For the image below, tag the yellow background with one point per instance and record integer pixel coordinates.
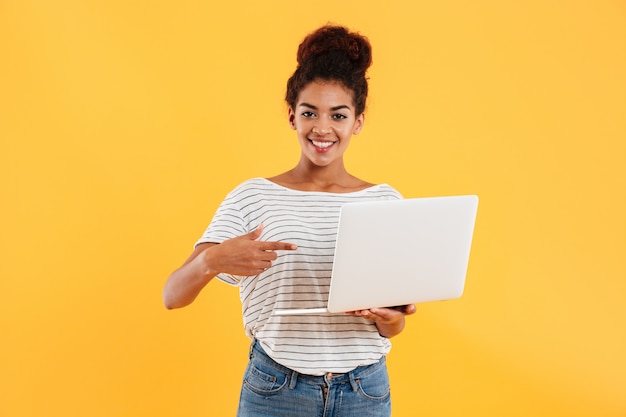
(124, 123)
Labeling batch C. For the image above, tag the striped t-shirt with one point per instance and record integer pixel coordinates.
(309, 344)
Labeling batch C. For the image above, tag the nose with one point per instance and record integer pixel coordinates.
(322, 127)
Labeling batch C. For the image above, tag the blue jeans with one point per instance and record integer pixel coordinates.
(272, 390)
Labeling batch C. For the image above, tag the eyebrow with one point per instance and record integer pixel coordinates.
(310, 106)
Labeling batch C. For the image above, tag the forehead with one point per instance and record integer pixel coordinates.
(326, 94)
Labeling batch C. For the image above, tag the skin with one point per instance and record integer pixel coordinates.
(325, 121)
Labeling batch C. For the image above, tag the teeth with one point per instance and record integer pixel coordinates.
(322, 144)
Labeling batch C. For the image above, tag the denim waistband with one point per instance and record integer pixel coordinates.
(257, 352)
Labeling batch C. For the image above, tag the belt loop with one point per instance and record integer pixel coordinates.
(294, 380)
(251, 348)
(353, 382)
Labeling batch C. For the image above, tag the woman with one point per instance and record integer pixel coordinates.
(275, 239)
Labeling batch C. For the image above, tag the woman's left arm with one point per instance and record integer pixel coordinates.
(389, 321)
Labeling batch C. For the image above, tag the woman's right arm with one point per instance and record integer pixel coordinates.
(186, 282)
(242, 256)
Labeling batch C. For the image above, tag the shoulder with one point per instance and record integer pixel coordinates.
(246, 192)
(252, 185)
(385, 192)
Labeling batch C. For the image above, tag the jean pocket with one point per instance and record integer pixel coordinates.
(375, 387)
(264, 381)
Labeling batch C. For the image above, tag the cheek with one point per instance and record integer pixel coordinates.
(347, 132)
(302, 128)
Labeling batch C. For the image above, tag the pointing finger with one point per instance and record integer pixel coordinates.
(278, 246)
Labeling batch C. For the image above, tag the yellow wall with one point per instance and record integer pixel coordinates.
(124, 123)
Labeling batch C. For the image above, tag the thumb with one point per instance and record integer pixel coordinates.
(255, 234)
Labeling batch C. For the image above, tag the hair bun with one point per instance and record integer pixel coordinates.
(337, 40)
(332, 53)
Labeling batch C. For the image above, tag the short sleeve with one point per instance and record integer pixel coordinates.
(227, 223)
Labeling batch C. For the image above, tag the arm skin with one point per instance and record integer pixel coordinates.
(389, 321)
(243, 255)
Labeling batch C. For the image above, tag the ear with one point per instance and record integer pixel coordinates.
(358, 124)
(292, 119)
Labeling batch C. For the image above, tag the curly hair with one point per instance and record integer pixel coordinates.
(332, 53)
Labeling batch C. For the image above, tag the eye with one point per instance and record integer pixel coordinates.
(308, 114)
(339, 116)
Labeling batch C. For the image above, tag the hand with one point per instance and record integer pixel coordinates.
(385, 315)
(244, 255)
(388, 320)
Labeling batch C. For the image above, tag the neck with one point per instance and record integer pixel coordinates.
(325, 176)
(307, 177)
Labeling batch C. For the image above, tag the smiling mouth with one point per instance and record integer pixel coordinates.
(321, 144)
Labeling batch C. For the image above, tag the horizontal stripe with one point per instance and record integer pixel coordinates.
(311, 344)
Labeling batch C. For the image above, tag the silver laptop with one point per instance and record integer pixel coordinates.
(398, 252)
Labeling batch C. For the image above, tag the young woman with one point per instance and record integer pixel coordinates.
(275, 238)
